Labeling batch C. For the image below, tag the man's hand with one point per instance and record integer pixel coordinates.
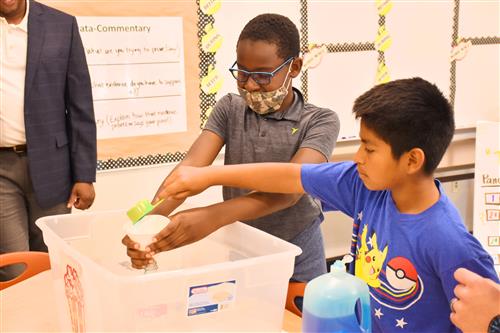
(82, 196)
(477, 301)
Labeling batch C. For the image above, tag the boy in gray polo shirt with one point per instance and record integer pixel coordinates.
(268, 122)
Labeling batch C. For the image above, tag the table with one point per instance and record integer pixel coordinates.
(30, 306)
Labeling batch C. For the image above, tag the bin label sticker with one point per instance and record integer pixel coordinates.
(212, 297)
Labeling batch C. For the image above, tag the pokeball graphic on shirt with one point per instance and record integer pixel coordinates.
(401, 286)
(401, 274)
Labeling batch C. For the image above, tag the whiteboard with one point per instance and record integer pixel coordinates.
(419, 37)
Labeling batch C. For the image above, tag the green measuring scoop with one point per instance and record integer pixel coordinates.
(141, 209)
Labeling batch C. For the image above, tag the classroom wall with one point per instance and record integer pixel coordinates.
(365, 43)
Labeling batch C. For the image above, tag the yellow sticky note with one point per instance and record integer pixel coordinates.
(383, 6)
(382, 74)
(207, 114)
(212, 40)
(383, 40)
(212, 82)
(210, 7)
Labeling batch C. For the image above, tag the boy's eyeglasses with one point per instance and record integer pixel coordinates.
(261, 78)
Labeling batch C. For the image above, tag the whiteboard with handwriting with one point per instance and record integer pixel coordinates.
(136, 66)
(487, 187)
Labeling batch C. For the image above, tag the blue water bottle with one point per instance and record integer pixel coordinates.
(334, 301)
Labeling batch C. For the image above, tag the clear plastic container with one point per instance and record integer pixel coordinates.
(336, 302)
(234, 280)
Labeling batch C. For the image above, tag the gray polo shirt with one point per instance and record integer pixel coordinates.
(276, 137)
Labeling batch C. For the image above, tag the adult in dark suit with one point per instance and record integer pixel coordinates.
(48, 132)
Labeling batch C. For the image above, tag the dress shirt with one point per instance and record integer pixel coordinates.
(14, 45)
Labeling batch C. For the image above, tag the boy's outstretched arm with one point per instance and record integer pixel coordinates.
(202, 153)
(265, 177)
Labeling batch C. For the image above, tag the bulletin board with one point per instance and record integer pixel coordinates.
(348, 46)
(142, 150)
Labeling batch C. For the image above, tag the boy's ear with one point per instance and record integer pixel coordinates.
(415, 159)
(296, 67)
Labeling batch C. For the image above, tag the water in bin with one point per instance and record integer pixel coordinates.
(334, 301)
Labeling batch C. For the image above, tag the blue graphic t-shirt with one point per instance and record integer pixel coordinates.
(407, 260)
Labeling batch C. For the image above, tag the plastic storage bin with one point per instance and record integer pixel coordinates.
(236, 279)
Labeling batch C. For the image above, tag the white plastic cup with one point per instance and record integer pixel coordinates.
(143, 231)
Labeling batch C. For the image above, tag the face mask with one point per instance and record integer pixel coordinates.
(264, 102)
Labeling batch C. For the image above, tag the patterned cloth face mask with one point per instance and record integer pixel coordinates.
(264, 102)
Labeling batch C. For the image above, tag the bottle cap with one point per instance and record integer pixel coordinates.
(347, 259)
(340, 264)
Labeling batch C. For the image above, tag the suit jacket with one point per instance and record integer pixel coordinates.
(58, 108)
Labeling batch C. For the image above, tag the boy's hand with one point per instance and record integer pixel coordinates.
(185, 227)
(183, 182)
(138, 258)
(477, 301)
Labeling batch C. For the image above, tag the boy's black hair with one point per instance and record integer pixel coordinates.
(409, 113)
(276, 29)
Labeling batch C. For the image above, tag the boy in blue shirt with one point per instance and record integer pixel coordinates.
(408, 238)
